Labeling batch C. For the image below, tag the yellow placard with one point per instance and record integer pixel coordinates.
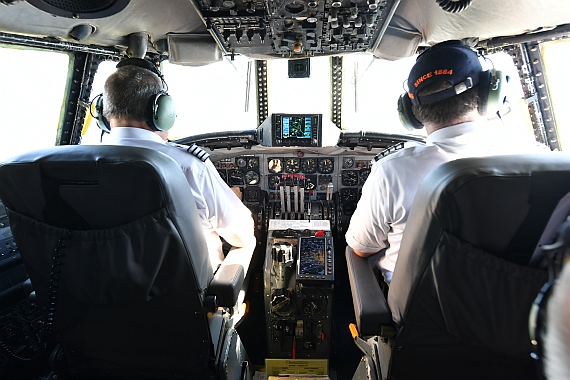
(276, 367)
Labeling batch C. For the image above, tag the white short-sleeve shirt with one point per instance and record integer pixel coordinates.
(220, 210)
(381, 214)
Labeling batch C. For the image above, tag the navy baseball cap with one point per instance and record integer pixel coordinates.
(450, 61)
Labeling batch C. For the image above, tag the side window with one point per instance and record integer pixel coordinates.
(556, 56)
(33, 86)
(91, 132)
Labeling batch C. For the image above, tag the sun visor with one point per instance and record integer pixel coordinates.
(398, 43)
(193, 49)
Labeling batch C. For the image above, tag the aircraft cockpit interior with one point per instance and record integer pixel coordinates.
(297, 105)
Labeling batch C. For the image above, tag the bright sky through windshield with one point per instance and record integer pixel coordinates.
(32, 105)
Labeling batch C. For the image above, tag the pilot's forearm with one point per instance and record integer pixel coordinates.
(362, 254)
(241, 241)
(241, 255)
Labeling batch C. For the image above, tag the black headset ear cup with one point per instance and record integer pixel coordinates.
(407, 117)
(97, 112)
(161, 112)
(492, 91)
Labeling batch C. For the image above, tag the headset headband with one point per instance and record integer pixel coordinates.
(140, 63)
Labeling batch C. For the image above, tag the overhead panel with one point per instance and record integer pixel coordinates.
(296, 28)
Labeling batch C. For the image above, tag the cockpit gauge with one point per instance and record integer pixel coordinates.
(235, 178)
(348, 208)
(347, 162)
(308, 165)
(348, 195)
(364, 173)
(349, 178)
(240, 162)
(275, 165)
(310, 182)
(325, 165)
(292, 165)
(273, 182)
(253, 162)
(251, 178)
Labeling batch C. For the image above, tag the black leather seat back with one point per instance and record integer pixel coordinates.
(462, 289)
(131, 264)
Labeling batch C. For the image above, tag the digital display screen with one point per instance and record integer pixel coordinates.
(297, 127)
(312, 256)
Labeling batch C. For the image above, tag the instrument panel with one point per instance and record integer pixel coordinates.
(337, 178)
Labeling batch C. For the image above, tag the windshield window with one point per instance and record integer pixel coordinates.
(370, 91)
(31, 99)
(299, 95)
(212, 98)
(224, 103)
(222, 96)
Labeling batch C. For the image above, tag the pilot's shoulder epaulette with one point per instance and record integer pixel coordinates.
(193, 149)
(394, 148)
(388, 151)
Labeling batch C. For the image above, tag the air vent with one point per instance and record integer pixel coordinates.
(80, 8)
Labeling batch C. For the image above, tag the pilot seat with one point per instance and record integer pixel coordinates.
(114, 248)
(459, 301)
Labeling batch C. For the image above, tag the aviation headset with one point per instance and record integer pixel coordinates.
(457, 63)
(161, 112)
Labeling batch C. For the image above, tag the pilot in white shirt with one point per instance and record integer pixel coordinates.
(136, 111)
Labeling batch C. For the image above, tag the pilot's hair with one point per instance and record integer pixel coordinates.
(447, 111)
(557, 336)
(127, 93)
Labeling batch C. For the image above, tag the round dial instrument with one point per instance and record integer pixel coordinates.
(348, 162)
(253, 162)
(292, 165)
(275, 165)
(310, 182)
(240, 162)
(251, 177)
(348, 195)
(325, 165)
(273, 182)
(349, 177)
(309, 165)
(364, 173)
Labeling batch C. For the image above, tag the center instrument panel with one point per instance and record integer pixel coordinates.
(291, 184)
(301, 200)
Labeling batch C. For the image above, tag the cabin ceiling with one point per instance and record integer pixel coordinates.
(202, 31)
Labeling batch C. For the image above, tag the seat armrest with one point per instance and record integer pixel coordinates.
(370, 307)
(229, 279)
(226, 284)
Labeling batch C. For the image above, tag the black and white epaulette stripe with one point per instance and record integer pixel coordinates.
(394, 148)
(193, 149)
(199, 152)
(388, 151)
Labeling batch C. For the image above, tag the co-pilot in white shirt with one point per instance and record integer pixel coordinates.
(221, 211)
(381, 214)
